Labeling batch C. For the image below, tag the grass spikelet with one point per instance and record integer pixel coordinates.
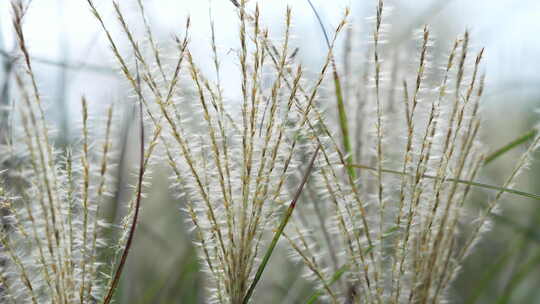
(234, 178)
(396, 235)
(53, 233)
(379, 189)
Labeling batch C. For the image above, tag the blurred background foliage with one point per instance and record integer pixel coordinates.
(71, 58)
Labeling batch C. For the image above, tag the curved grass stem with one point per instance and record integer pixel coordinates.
(511, 145)
(280, 229)
(127, 247)
(342, 114)
(460, 181)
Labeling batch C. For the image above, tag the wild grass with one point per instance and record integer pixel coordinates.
(52, 227)
(365, 178)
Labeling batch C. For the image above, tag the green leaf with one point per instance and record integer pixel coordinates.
(390, 232)
(491, 273)
(521, 140)
(342, 113)
(369, 249)
(524, 271)
(461, 181)
(334, 279)
(280, 229)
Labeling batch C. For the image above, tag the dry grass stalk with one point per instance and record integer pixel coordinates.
(53, 230)
(364, 236)
(396, 234)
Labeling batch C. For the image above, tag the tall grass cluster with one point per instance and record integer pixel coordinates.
(363, 168)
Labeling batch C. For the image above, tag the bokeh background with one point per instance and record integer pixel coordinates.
(72, 58)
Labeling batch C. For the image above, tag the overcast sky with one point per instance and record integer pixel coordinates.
(508, 29)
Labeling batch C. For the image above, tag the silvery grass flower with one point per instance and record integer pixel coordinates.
(378, 221)
(53, 235)
(231, 161)
(388, 232)
(379, 217)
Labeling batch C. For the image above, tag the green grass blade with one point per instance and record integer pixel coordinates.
(183, 270)
(280, 229)
(529, 233)
(499, 265)
(342, 114)
(519, 141)
(343, 122)
(334, 279)
(321, 25)
(518, 278)
(490, 274)
(131, 233)
(461, 181)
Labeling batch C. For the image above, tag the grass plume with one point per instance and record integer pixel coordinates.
(379, 191)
